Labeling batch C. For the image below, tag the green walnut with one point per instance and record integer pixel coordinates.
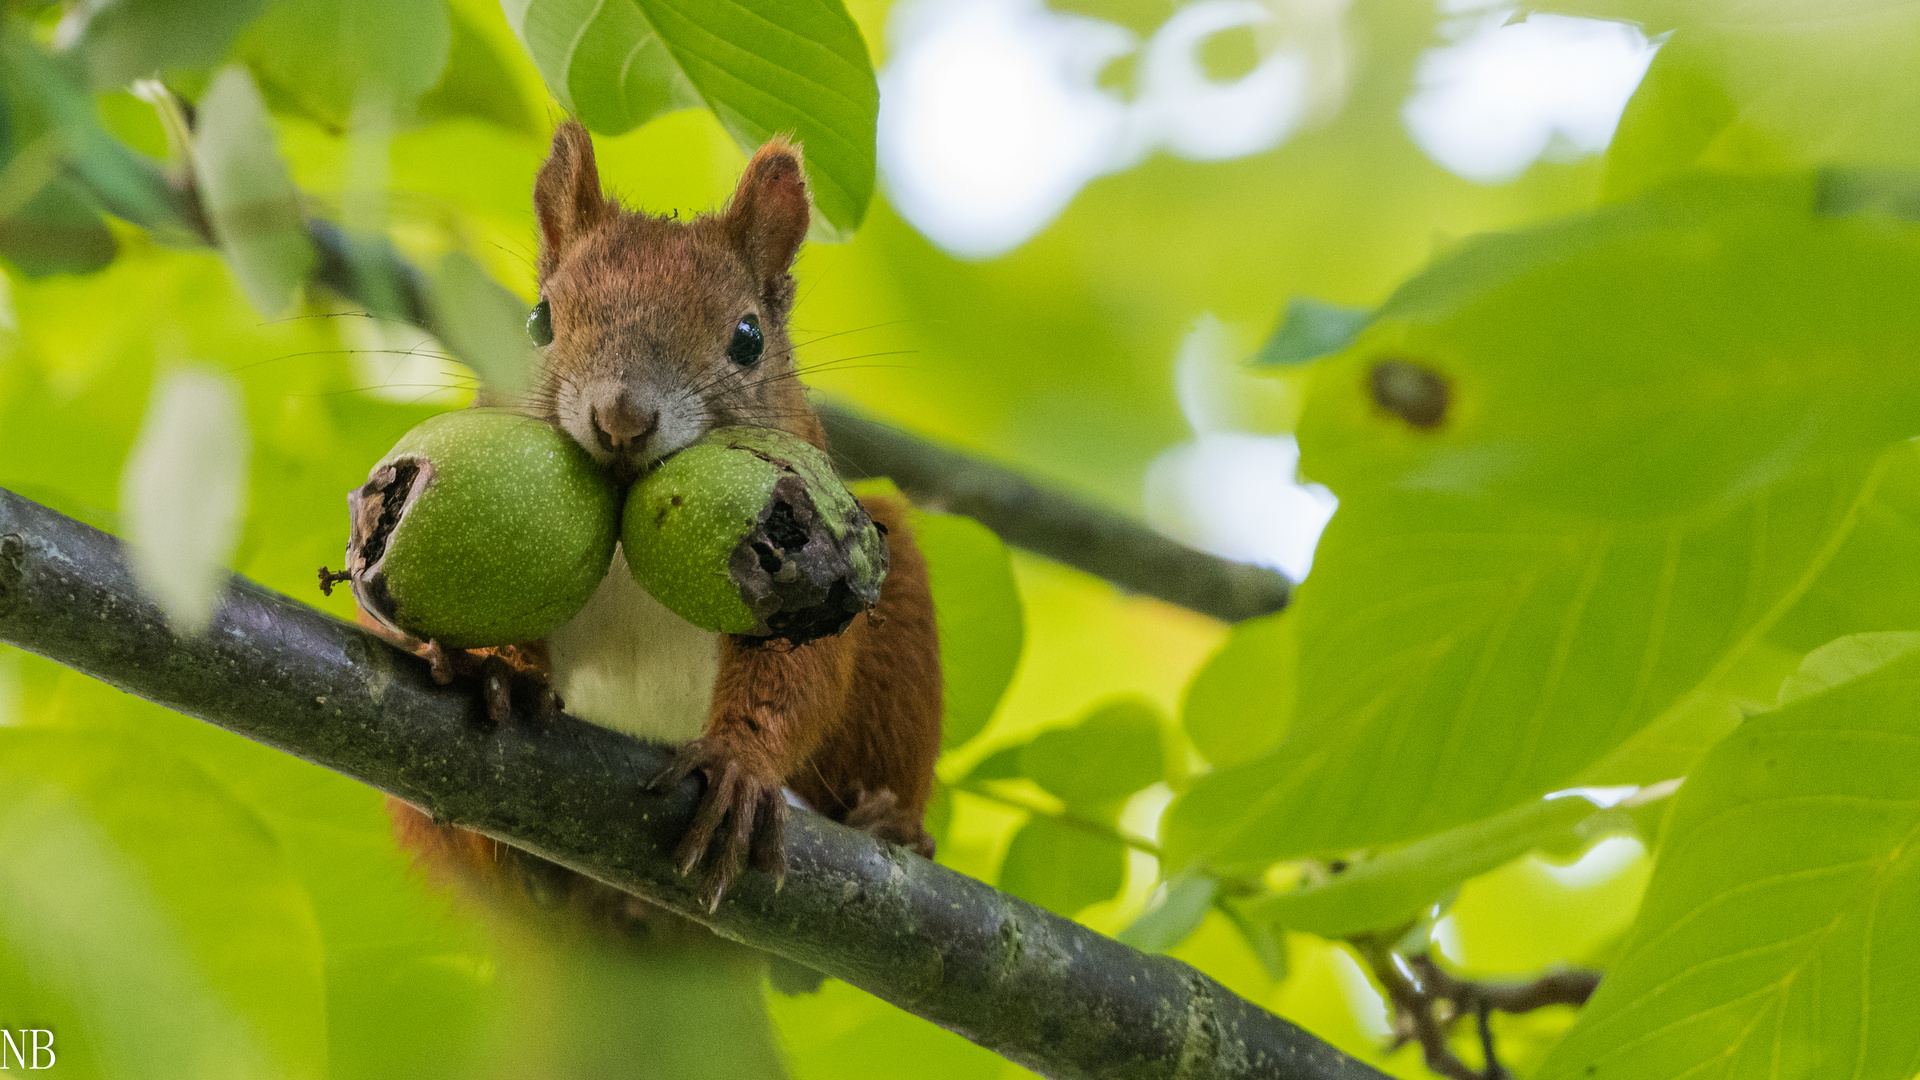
(481, 527)
(750, 532)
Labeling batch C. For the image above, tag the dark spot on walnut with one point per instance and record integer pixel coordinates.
(1413, 393)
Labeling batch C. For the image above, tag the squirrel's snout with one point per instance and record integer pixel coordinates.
(620, 424)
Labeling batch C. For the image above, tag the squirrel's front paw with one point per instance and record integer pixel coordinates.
(742, 816)
(498, 671)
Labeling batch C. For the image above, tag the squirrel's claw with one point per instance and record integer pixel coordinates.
(741, 819)
(498, 678)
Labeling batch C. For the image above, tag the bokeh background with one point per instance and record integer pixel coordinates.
(1090, 215)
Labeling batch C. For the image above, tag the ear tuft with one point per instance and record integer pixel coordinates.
(566, 195)
(768, 216)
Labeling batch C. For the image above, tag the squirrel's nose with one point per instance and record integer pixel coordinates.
(619, 423)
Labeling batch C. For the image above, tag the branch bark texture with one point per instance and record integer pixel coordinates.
(1060, 527)
(1041, 990)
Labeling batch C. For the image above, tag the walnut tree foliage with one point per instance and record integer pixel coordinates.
(1623, 448)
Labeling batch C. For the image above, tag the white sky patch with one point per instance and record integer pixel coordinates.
(1603, 862)
(183, 495)
(1502, 96)
(1369, 1009)
(1231, 492)
(1601, 797)
(992, 117)
(1240, 497)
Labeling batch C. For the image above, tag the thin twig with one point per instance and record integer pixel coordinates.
(1428, 1001)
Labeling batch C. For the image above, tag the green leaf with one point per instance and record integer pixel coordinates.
(1062, 868)
(979, 616)
(250, 200)
(797, 67)
(1776, 933)
(1097, 763)
(1846, 659)
(1460, 657)
(1871, 585)
(50, 102)
(485, 326)
(1570, 550)
(148, 918)
(1183, 905)
(1002, 764)
(1639, 361)
(1396, 886)
(1759, 86)
(480, 82)
(183, 496)
(602, 61)
(1266, 940)
(1309, 330)
(1239, 705)
(325, 56)
(123, 40)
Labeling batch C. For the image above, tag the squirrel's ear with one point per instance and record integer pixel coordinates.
(769, 212)
(566, 195)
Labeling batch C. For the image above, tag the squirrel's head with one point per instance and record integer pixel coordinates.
(658, 330)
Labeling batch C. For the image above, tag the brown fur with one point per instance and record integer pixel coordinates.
(851, 723)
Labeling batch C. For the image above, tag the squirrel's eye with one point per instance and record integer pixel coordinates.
(747, 341)
(540, 324)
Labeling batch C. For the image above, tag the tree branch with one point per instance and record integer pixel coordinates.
(1049, 523)
(1041, 990)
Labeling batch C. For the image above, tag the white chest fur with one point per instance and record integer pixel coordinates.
(627, 663)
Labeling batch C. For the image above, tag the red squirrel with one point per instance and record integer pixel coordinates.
(657, 331)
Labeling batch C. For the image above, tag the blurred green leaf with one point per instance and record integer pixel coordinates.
(183, 496)
(123, 40)
(1240, 704)
(1393, 887)
(408, 981)
(1111, 753)
(1309, 330)
(1871, 584)
(48, 224)
(797, 67)
(1846, 659)
(50, 101)
(251, 202)
(602, 61)
(485, 326)
(1775, 935)
(1002, 764)
(1768, 85)
(1182, 906)
(148, 918)
(479, 82)
(1062, 868)
(1266, 940)
(327, 56)
(979, 616)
